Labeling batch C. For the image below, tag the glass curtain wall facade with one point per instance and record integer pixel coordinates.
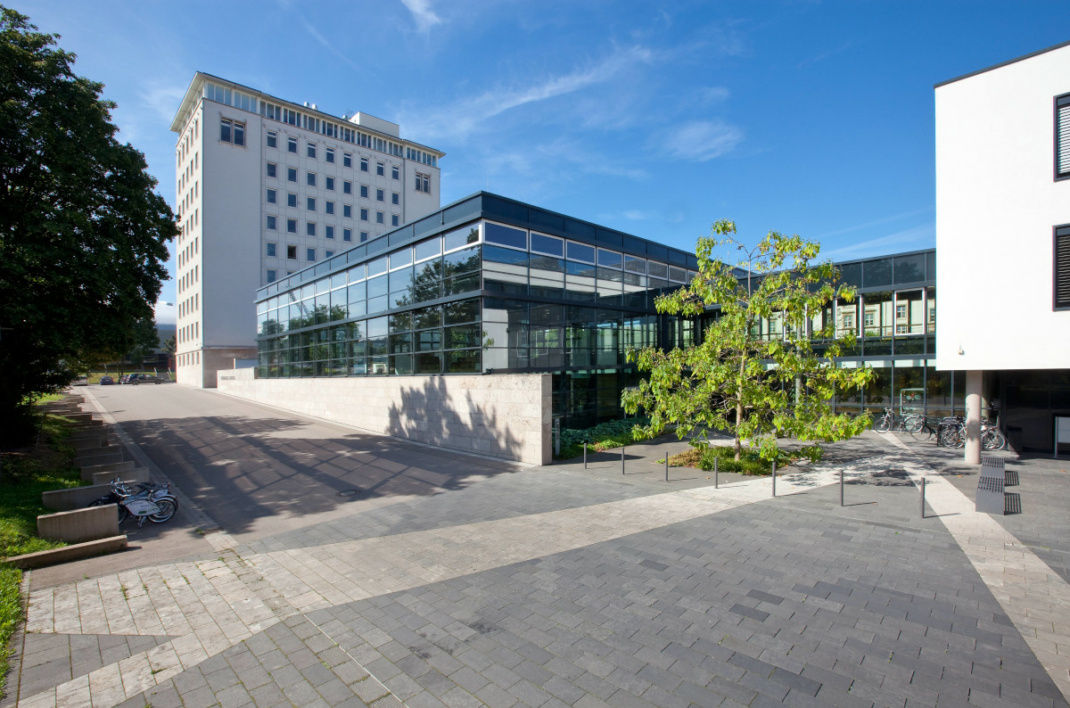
(489, 285)
(486, 285)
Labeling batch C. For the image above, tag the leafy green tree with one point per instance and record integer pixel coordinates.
(83, 235)
(738, 379)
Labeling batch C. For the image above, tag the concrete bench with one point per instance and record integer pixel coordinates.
(74, 552)
(81, 497)
(81, 525)
(89, 472)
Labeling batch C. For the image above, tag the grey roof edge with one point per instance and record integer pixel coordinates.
(1002, 64)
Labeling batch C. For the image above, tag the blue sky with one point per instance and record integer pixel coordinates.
(653, 118)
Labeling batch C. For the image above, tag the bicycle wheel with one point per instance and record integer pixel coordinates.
(924, 432)
(914, 423)
(992, 439)
(881, 424)
(168, 507)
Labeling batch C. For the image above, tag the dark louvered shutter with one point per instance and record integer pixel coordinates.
(1062, 267)
(1062, 136)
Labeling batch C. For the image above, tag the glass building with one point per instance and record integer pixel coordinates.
(491, 285)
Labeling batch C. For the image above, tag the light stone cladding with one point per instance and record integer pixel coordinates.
(997, 203)
(225, 213)
(506, 415)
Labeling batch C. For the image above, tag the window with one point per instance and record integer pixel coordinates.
(310, 179)
(423, 183)
(347, 234)
(395, 198)
(271, 277)
(272, 169)
(330, 154)
(347, 211)
(363, 164)
(364, 191)
(312, 150)
(291, 227)
(291, 145)
(363, 214)
(271, 196)
(394, 220)
(231, 131)
(380, 169)
(310, 203)
(363, 236)
(272, 139)
(329, 231)
(291, 174)
(901, 312)
(310, 228)
(869, 319)
(1062, 137)
(271, 250)
(347, 159)
(291, 200)
(271, 223)
(347, 187)
(328, 207)
(310, 254)
(1062, 268)
(291, 252)
(380, 217)
(395, 172)
(329, 182)
(380, 195)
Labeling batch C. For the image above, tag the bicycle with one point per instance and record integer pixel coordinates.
(892, 421)
(923, 430)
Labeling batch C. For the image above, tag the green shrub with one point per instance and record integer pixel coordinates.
(603, 436)
(748, 463)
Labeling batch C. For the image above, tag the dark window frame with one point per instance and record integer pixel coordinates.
(1060, 234)
(1060, 102)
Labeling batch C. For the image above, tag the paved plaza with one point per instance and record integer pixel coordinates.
(456, 581)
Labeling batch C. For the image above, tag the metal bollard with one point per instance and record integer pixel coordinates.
(622, 459)
(841, 487)
(666, 466)
(922, 497)
(774, 478)
(584, 455)
(716, 474)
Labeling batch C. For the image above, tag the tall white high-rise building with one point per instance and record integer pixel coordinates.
(264, 187)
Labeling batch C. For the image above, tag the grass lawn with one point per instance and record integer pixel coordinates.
(23, 476)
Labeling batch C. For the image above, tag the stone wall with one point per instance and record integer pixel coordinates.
(507, 415)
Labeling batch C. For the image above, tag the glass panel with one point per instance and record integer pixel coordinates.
(463, 362)
(427, 317)
(877, 314)
(463, 336)
(609, 259)
(634, 265)
(877, 273)
(548, 245)
(429, 363)
(496, 254)
(930, 310)
(401, 364)
(910, 269)
(401, 258)
(428, 249)
(461, 261)
(400, 322)
(428, 340)
(580, 252)
(461, 311)
(504, 235)
(377, 266)
(460, 237)
(909, 313)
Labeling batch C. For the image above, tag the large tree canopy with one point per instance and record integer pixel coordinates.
(756, 371)
(83, 234)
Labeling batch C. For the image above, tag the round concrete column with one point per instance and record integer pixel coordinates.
(973, 417)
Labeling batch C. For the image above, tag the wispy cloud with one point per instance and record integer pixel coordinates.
(875, 222)
(699, 141)
(465, 116)
(162, 100)
(319, 36)
(423, 14)
(915, 237)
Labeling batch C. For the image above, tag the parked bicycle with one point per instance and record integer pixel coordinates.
(892, 421)
(952, 433)
(148, 501)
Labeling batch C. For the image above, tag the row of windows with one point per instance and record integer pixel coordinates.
(271, 223)
(329, 154)
(272, 195)
(189, 359)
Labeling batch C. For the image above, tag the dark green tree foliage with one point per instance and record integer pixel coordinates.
(737, 380)
(83, 235)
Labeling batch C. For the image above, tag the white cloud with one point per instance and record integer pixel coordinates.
(700, 141)
(166, 313)
(423, 14)
(920, 236)
(465, 115)
(163, 100)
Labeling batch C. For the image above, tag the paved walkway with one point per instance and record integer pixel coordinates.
(564, 586)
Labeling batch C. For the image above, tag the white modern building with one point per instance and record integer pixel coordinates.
(266, 187)
(1003, 235)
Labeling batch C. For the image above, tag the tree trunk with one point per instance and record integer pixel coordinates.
(739, 417)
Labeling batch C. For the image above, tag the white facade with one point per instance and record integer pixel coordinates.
(264, 187)
(998, 202)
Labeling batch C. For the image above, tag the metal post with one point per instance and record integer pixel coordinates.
(716, 474)
(622, 459)
(666, 466)
(584, 455)
(923, 497)
(841, 487)
(774, 478)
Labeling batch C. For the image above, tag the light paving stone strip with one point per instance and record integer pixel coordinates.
(1033, 596)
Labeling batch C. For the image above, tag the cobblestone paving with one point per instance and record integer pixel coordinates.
(558, 587)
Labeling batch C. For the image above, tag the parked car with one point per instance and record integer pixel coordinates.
(106, 381)
(136, 379)
(80, 381)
